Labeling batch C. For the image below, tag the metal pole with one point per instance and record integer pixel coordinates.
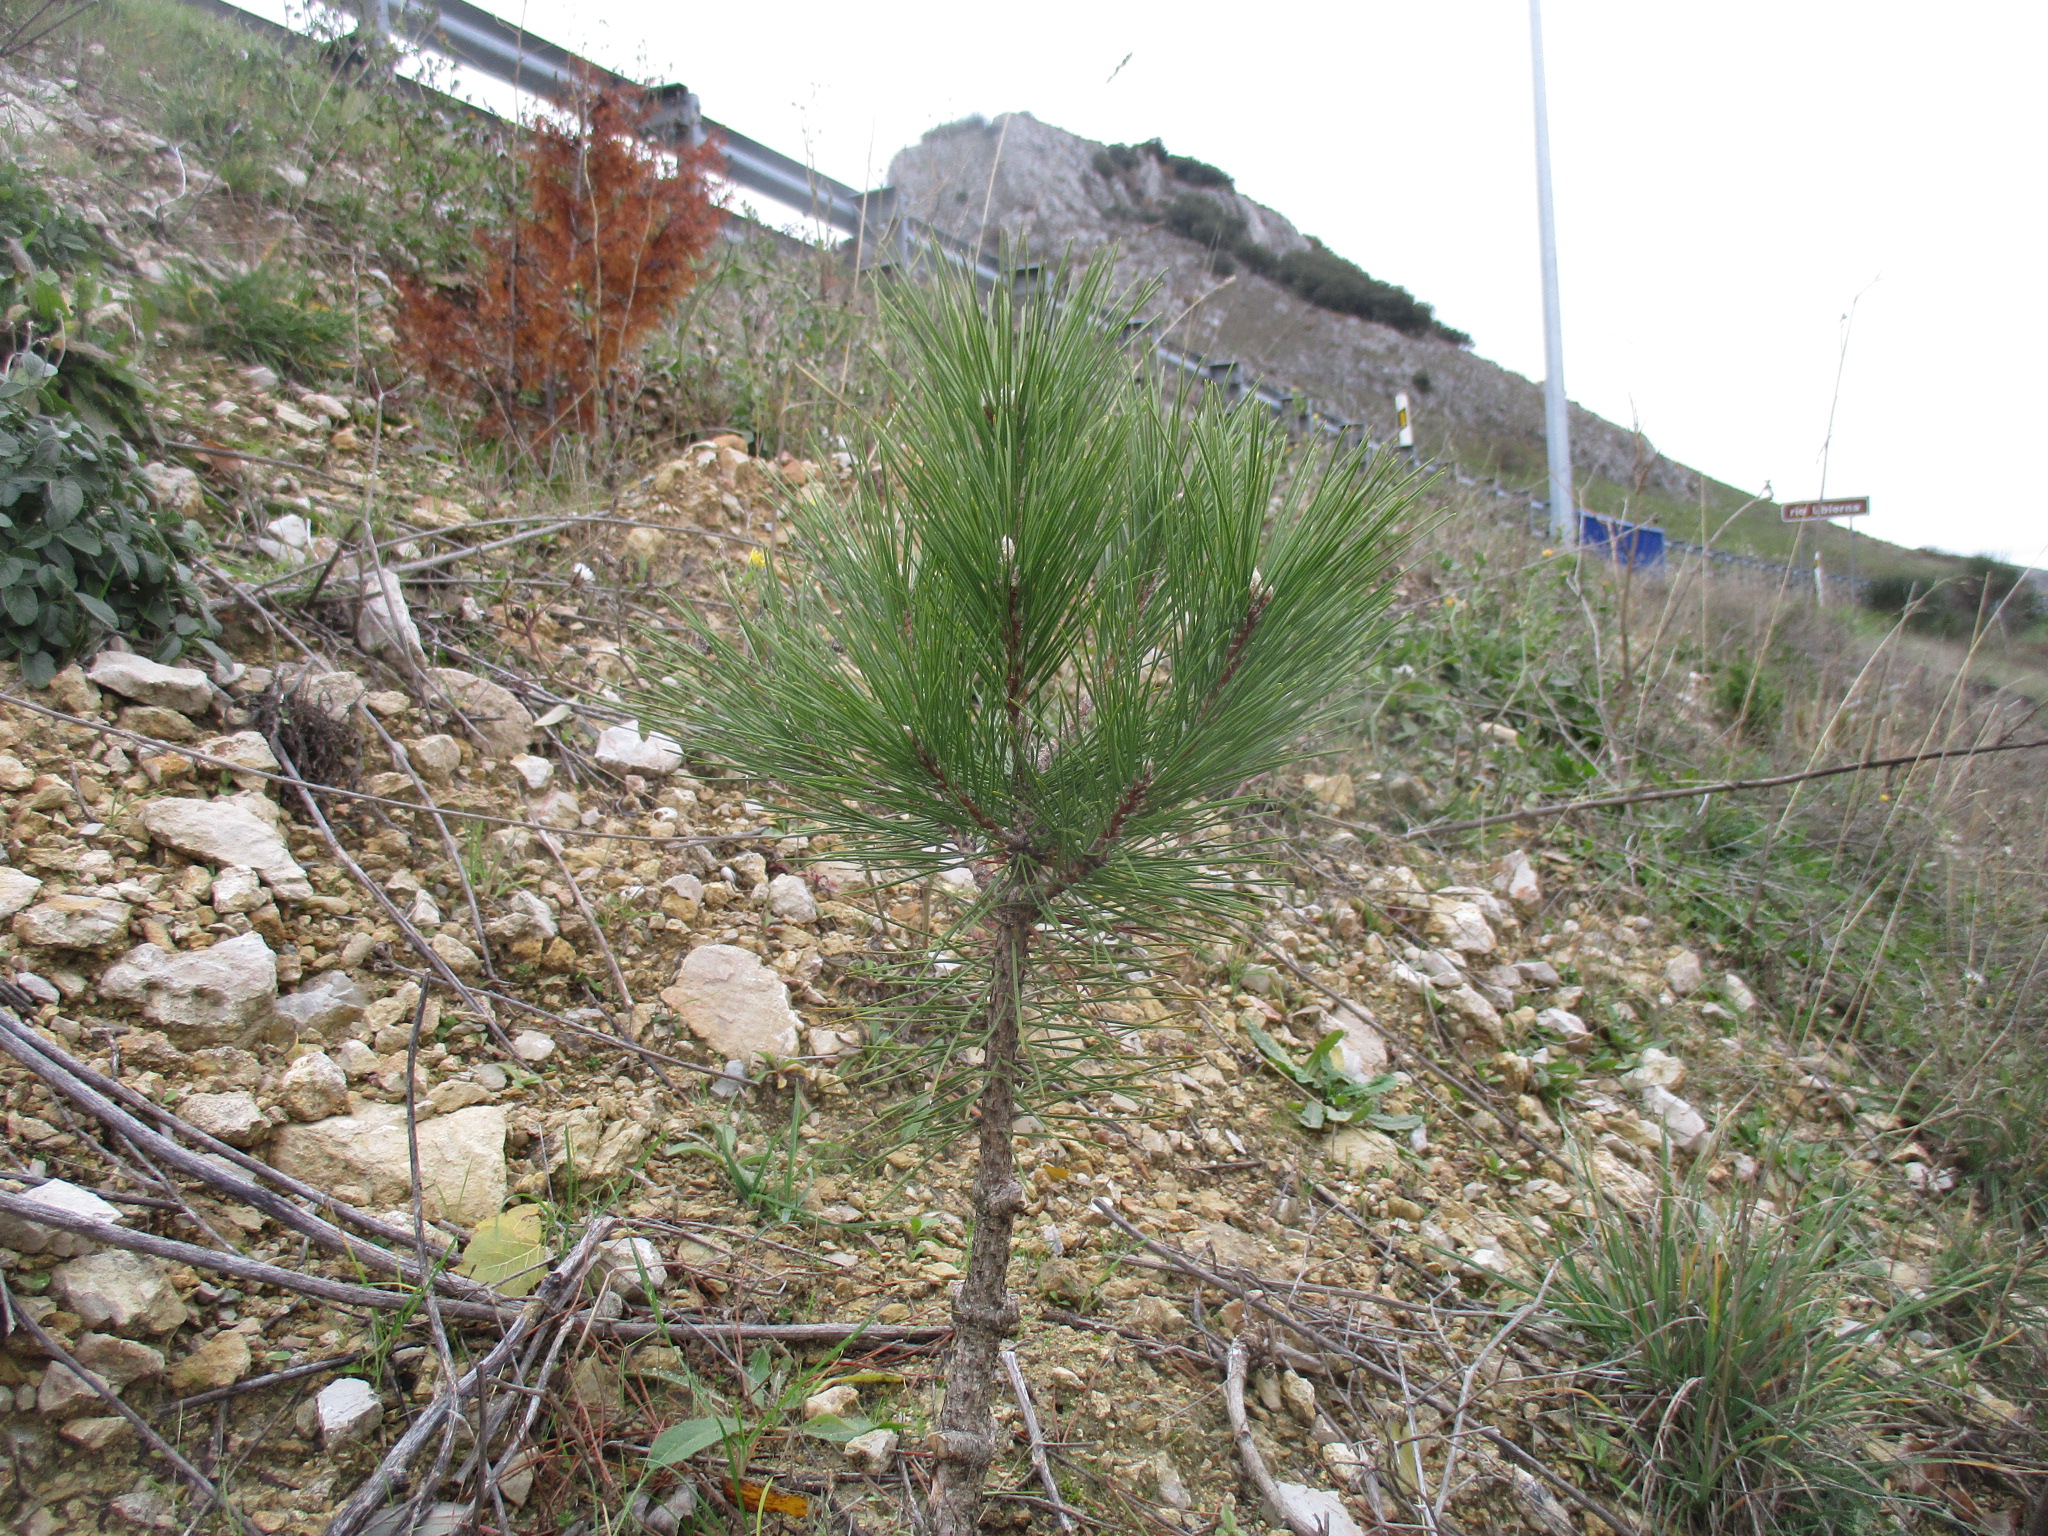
(1557, 428)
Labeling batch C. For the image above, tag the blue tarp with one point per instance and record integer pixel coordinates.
(1632, 544)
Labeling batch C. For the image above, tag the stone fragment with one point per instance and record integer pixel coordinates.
(67, 1394)
(147, 1509)
(118, 1361)
(451, 1096)
(873, 1453)
(1654, 1069)
(223, 832)
(727, 997)
(534, 772)
(71, 691)
(1736, 994)
(1475, 1010)
(532, 1047)
(462, 1158)
(558, 808)
(436, 757)
(234, 1118)
(345, 1411)
(25, 1236)
(326, 1005)
(1365, 1151)
(1299, 1395)
(1684, 974)
(17, 890)
(1302, 1508)
(120, 1291)
(623, 749)
(529, 917)
(221, 1361)
(355, 1058)
(837, 1401)
(157, 723)
(1539, 973)
(184, 689)
(1464, 927)
(226, 995)
(247, 750)
(313, 1088)
(1514, 877)
(14, 773)
(597, 1152)
(1568, 1027)
(1334, 791)
(461, 959)
(505, 724)
(73, 922)
(632, 1267)
(174, 488)
(384, 624)
(791, 900)
(1363, 1051)
(1688, 1127)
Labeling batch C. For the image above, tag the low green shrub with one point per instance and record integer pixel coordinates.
(82, 551)
(1115, 159)
(1752, 697)
(268, 315)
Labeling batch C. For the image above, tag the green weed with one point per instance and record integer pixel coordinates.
(268, 315)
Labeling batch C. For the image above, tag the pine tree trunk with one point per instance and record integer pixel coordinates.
(983, 1313)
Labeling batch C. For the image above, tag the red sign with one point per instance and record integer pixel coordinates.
(1807, 511)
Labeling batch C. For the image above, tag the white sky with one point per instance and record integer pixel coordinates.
(1729, 178)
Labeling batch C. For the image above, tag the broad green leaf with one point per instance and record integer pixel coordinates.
(99, 610)
(507, 1252)
(830, 1426)
(23, 603)
(1394, 1122)
(679, 1442)
(38, 669)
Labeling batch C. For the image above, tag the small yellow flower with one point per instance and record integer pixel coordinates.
(756, 560)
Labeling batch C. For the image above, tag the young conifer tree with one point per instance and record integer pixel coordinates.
(1053, 633)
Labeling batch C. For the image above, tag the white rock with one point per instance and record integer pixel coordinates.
(836, 1402)
(119, 1291)
(248, 750)
(260, 377)
(1736, 994)
(238, 888)
(1363, 1052)
(14, 773)
(873, 1453)
(17, 890)
(1688, 1127)
(291, 530)
(1655, 1069)
(1477, 1011)
(1365, 1151)
(1515, 878)
(220, 832)
(1684, 974)
(384, 624)
(791, 900)
(460, 958)
(233, 1118)
(326, 1005)
(505, 724)
(726, 996)
(622, 748)
(346, 1410)
(355, 1058)
(533, 771)
(462, 1158)
(313, 1088)
(1567, 1026)
(184, 689)
(557, 808)
(33, 1237)
(174, 488)
(1464, 927)
(426, 912)
(529, 918)
(532, 1047)
(73, 922)
(226, 995)
(66, 1393)
(436, 757)
(631, 1266)
(1314, 1508)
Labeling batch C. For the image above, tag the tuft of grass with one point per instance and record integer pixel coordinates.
(268, 315)
(1750, 1400)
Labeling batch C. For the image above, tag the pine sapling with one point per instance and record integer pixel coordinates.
(1052, 635)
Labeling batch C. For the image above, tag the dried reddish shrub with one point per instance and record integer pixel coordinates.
(542, 331)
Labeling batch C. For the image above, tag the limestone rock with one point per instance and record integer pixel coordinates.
(1655, 1069)
(384, 624)
(505, 724)
(873, 1453)
(1736, 994)
(66, 1394)
(173, 487)
(1365, 1151)
(25, 1236)
(346, 1410)
(1334, 791)
(1568, 1027)
(248, 750)
(1363, 1052)
(837, 1401)
(71, 691)
(1464, 927)
(623, 749)
(184, 689)
(219, 832)
(727, 997)
(120, 1291)
(238, 889)
(118, 1361)
(529, 917)
(325, 1006)
(597, 1152)
(73, 922)
(234, 1118)
(462, 1158)
(17, 890)
(791, 900)
(226, 995)
(355, 1058)
(534, 772)
(532, 1047)
(1684, 974)
(1515, 878)
(436, 757)
(1475, 1010)
(461, 959)
(1688, 1127)
(632, 1267)
(313, 1088)
(221, 1361)
(1307, 1508)
(14, 773)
